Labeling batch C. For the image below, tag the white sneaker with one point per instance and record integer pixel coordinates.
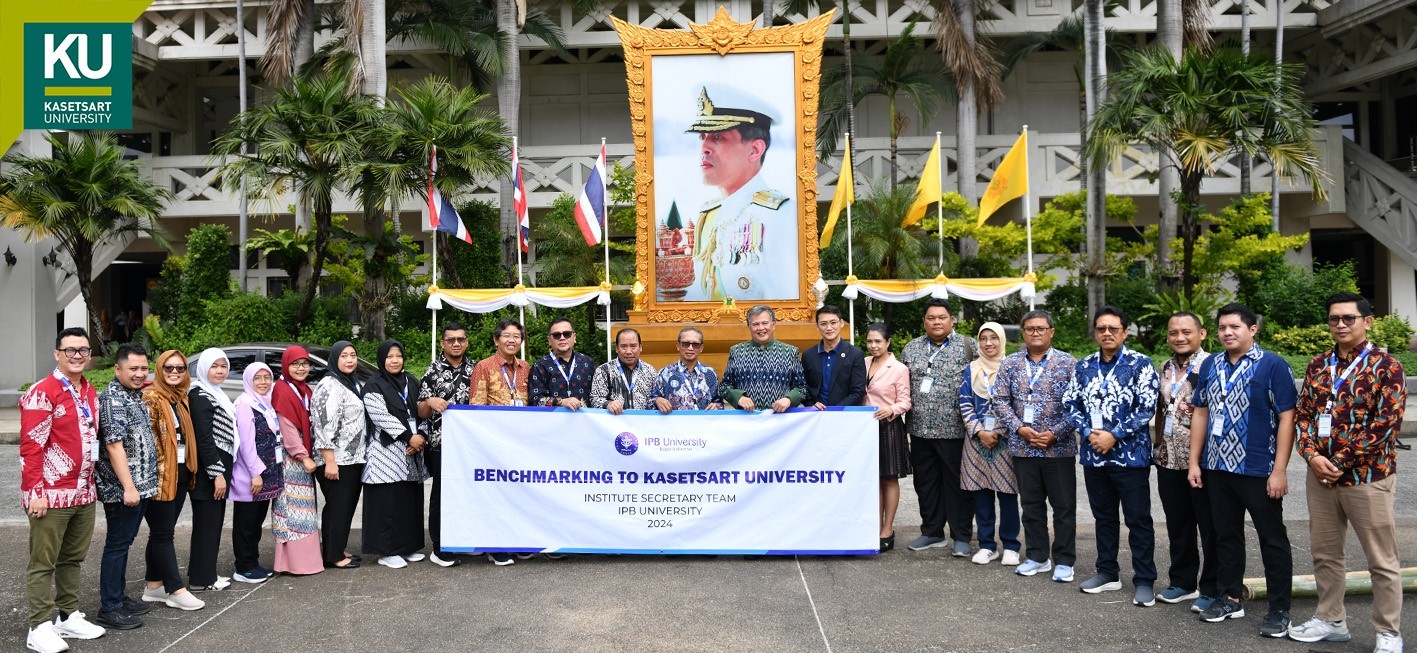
(1318, 630)
(1010, 559)
(42, 638)
(984, 556)
(154, 595)
(77, 627)
(1388, 643)
(393, 562)
(449, 562)
(185, 601)
(414, 557)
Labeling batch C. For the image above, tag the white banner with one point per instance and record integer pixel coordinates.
(715, 482)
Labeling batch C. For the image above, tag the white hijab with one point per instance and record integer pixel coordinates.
(205, 361)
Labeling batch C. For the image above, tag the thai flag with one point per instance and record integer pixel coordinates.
(519, 203)
(590, 208)
(441, 214)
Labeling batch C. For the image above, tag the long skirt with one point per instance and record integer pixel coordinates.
(895, 453)
(393, 518)
(295, 523)
(987, 469)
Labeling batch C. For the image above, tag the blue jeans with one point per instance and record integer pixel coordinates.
(123, 523)
(1008, 519)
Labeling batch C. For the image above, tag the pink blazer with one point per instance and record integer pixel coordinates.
(890, 387)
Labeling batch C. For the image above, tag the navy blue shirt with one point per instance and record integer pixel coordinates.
(1245, 399)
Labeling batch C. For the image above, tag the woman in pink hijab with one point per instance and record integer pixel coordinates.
(256, 475)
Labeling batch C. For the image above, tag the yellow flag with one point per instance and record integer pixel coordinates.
(845, 194)
(928, 191)
(1010, 179)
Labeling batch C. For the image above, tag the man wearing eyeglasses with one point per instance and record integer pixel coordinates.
(764, 373)
(447, 381)
(58, 450)
(627, 381)
(1111, 400)
(1348, 416)
(563, 376)
(835, 370)
(687, 384)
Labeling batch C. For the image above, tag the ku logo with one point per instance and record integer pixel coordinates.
(78, 75)
(626, 443)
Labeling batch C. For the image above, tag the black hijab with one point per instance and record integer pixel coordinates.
(400, 391)
(333, 366)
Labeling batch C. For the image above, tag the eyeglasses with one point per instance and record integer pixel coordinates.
(84, 352)
(455, 341)
(562, 335)
(1347, 320)
(177, 369)
(829, 325)
(510, 336)
(1109, 329)
(299, 364)
(690, 345)
(1036, 330)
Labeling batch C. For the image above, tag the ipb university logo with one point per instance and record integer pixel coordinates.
(78, 76)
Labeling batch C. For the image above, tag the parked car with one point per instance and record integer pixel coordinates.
(269, 353)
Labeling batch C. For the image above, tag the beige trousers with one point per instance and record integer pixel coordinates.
(1369, 508)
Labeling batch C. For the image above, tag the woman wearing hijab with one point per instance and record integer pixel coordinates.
(888, 389)
(294, 514)
(338, 423)
(171, 418)
(256, 477)
(214, 434)
(394, 475)
(987, 470)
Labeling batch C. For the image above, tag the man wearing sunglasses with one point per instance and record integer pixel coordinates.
(447, 381)
(563, 376)
(1111, 401)
(1350, 409)
(687, 384)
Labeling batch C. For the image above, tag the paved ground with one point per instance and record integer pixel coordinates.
(900, 601)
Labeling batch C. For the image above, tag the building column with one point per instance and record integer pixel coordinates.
(27, 292)
(1402, 288)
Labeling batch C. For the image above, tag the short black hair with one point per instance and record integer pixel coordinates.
(69, 333)
(453, 325)
(502, 325)
(128, 349)
(937, 301)
(1193, 316)
(1036, 314)
(881, 328)
(1111, 310)
(626, 330)
(1247, 314)
(1365, 307)
(557, 320)
(755, 132)
(829, 310)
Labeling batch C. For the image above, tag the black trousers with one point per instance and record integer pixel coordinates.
(1188, 515)
(247, 517)
(208, 516)
(1231, 496)
(936, 476)
(1128, 488)
(161, 555)
(433, 458)
(1050, 480)
(341, 498)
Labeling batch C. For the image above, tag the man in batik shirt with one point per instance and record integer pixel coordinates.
(687, 384)
(764, 372)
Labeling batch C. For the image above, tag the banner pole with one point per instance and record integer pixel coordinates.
(433, 331)
(521, 310)
(1028, 215)
(940, 205)
(850, 256)
(605, 239)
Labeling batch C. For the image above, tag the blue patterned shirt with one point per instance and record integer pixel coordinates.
(1013, 392)
(553, 379)
(1122, 396)
(765, 373)
(1246, 399)
(687, 389)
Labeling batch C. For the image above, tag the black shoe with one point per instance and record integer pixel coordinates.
(118, 620)
(888, 543)
(353, 564)
(1276, 624)
(135, 607)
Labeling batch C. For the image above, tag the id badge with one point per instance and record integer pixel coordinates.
(1028, 414)
(990, 422)
(280, 453)
(1217, 427)
(1170, 424)
(925, 385)
(1325, 425)
(93, 455)
(413, 426)
(181, 454)
(1096, 421)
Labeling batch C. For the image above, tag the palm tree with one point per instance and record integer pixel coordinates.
(880, 247)
(1205, 108)
(83, 195)
(291, 246)
(1096, 182)
(562, 258)
(467, 31)
(308, 138)
(290, 40)
(976, 71)
(802, 7)
(900, 71)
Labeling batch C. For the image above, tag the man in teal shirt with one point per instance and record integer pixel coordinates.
(763, 372)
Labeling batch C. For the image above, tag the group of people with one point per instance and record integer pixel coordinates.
(980, 430)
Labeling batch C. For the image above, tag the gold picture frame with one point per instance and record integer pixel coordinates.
(723, 37)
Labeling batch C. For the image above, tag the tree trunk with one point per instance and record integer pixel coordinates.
(1246, 163)
(1169, 32)
(323, 225)
(373, 45)
(966, 132)
(769, 12)
(82, 253)
(846, 45)
(304, 49)
(1190, 231)
(509, 94)
(895, 119)
(1096, 79)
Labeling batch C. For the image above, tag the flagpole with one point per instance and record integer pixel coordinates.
(850, 262)
(433, 331)
(521, 310)
(1028, 213)
(605, 239)
(940, 206)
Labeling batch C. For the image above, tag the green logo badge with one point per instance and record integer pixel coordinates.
(78, 76)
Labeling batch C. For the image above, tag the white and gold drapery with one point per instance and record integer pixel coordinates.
(899, 291)
(486, 300)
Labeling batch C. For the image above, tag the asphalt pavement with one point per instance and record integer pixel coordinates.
(898, 601)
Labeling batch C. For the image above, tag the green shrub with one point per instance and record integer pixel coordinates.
(1392, 332)
(207, 275)
(1300, 341)
(167, 294)
(1289, 295)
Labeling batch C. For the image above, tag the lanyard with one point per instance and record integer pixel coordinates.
(1176, 380)
(688, 386)
(1034, 375)
(404, 393)
(79, 403)
(511, 380)
(176, 423)
(630, 387)
(945, 343)
(1107, 380)
(304, 401)
(1339, 380)
(564, 374)
(1241, 366)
